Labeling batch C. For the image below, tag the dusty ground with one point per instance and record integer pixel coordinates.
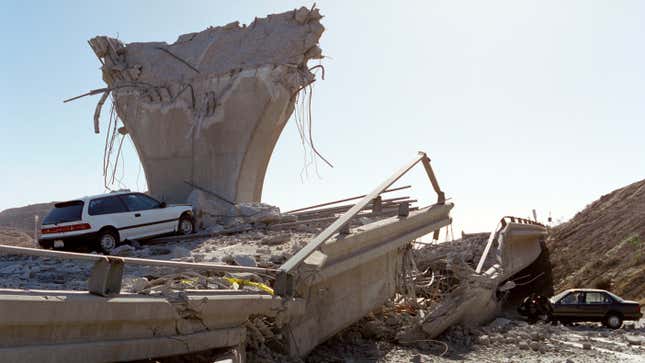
(597, 232)
(14, 237)
(503, 340)
(370, 340)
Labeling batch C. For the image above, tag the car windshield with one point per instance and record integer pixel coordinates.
(557, 297)
(65, 212)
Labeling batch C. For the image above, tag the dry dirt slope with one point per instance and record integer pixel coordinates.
(17, 224)
(604, 245)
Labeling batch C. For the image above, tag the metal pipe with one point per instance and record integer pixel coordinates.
(12, 250)
(346, 199)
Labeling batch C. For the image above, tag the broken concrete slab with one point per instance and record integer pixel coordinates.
(84, 327)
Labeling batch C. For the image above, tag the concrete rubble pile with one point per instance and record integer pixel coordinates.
(501, 340)
(439, 288)
(445, 311)
(205, 112)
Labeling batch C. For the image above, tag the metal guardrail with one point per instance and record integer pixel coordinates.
(284, 284)
(107, 273)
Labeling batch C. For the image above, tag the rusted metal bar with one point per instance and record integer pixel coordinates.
(97, 110)
(12, 250)
(178, 58)
(90, 93)
(347, 199)
(441, 197)
(345, 207)
(389, 211)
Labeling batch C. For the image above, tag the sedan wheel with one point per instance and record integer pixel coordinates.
(614, 321)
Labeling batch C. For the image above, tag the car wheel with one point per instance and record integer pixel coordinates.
(613, 321)
(543, 318)
(186, 225)
(107, 241)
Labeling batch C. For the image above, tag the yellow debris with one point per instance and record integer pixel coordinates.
(242, 282)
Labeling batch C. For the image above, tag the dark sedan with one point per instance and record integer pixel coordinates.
(578, 305)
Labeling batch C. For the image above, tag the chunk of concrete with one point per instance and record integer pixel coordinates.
(209, 108)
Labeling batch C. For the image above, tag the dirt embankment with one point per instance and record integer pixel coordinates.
(17, 224)
(603, 246)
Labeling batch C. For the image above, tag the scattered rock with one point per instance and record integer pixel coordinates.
(500, 324)
(123, 250)
(263, 251)
(374, 329)
(245, 260)
(634, 340)
(179, 252)
(139, 284)
(277, 259)
(259, 212)
(523, 345)
(276, 239)
(537, 336)
(156, 251)
(215, 229)
(586, 346)
(534, 345)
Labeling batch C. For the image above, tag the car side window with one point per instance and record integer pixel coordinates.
(596, 298)
(107, 205)
(572, 298)
(137, 202)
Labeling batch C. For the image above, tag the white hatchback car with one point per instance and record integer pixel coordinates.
(101, 222)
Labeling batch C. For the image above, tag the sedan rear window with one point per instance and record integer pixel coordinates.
(597, 298)
(65, 212)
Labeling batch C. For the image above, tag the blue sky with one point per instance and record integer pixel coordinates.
(520, 104)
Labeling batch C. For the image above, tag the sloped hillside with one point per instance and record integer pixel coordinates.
(13, 237)
(603, 246)
(22, 219)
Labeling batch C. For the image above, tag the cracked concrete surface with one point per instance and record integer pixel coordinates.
(209, 108)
